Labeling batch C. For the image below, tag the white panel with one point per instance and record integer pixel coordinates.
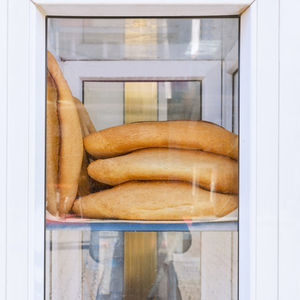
(77, 71)
(211, 95)
(235, 102)
(267, 149)
(227, 101)
(3, 139)
(143, 7)
(66, 268)
(48, 261)
(230, 66)
(36, 155)
(289, 159)
(234, 265)
(17, 149)
(216, 265)
(247, 156)
(104, 103)
(187, 266)
(92, 271)
(163, 89)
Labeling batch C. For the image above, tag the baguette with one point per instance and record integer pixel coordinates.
(71, 145)
(156, 200)
(87, 127)
(52, 148)
(198, 135)
(210, 171)
(86, 123)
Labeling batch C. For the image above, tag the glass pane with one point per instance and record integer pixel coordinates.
(172, 101)
(135, 39)
(183, 99)
(142, 168)
(104, 103)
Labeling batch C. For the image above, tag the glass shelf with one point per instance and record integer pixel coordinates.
(113, 225)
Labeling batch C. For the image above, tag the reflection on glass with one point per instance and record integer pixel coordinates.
(143, 39)
(108, 103)
(184, 101)
(97, 264)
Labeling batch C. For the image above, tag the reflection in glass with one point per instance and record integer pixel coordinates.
(143, 39)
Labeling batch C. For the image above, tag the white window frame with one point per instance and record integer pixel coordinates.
(206, 71)
(23, 117)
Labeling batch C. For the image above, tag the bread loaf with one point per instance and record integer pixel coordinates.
(156, 200)
(52, 148)
(87, 127)
(71, 145)
(86, 123)
(199, 135)
(210, 171)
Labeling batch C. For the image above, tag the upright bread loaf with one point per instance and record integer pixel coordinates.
(71, 145)
(52, 147)
(199, 135)
(87, 127)
(157, 200)
(210, 171)
(86, 123)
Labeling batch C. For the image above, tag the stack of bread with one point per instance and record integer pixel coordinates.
(66, 161)
(169, 170)
(172, 170)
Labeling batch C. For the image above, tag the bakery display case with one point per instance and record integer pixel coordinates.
(142, 127)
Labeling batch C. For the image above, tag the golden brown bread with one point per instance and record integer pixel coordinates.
(52, 148)
(210, 171)
(84, 184)
(86, 123)
(156, 200)
(71, 147)
(199, 135)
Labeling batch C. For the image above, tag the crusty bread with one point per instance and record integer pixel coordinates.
(210, 171)
(86, 184)
(87, 125)
(71, 146)
(52, 148)
(156, 200)
(199, 135)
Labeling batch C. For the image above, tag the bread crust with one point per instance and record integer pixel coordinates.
(86, 123)
(157, 200)
(71, 146)
(52, 147)
(87, 127)
(210, 171)
(125, 138)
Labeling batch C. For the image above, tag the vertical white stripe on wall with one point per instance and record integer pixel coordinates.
(17, 145)
(3, 137)
(289, 158)
(267, 150)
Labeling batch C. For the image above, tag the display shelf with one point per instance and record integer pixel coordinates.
(113, 225)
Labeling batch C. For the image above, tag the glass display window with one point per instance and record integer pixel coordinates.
(142, 158)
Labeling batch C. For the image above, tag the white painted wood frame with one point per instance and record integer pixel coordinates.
(208, 72)
(289, 145)
(22, 75)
